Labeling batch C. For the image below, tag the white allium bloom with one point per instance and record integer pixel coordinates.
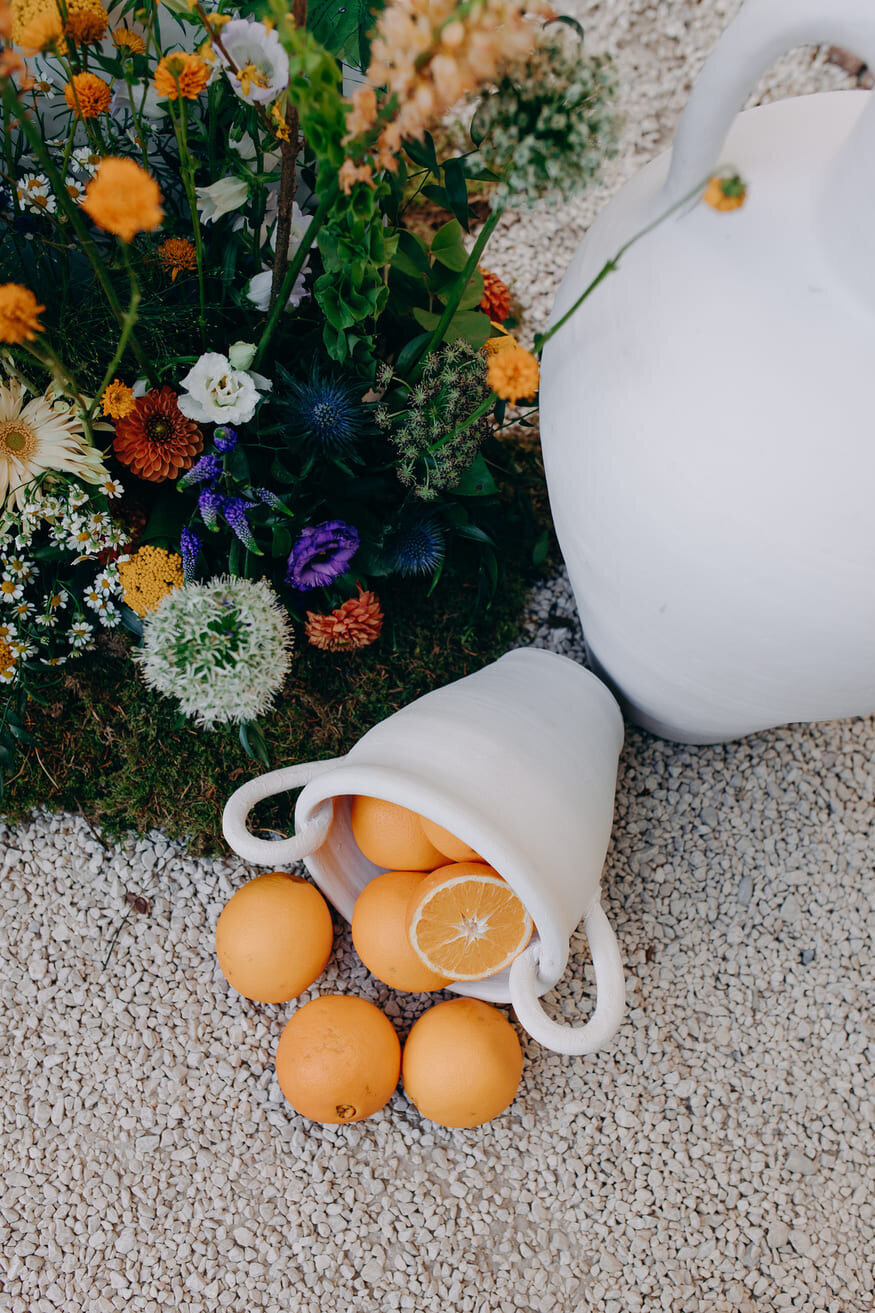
(221, 648)
(262, 64)
(220, 198)
(216, 393)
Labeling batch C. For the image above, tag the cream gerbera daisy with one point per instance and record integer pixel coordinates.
(39, 436)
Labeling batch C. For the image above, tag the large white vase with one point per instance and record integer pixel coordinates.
(707, 415)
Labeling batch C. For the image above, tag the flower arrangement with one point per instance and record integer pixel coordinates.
(237, 390)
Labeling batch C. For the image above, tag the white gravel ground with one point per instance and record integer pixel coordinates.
(718, 1159)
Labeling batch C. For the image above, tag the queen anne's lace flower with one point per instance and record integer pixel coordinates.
(221, 648)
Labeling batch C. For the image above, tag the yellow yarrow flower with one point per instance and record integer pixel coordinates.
(148, 576)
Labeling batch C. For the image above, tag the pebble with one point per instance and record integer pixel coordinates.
(149, 1160)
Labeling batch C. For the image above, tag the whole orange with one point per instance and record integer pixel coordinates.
(379, 933)
(338, 1059)
(462, 1063)
(390, 835)
(274, 937)
(447, 843)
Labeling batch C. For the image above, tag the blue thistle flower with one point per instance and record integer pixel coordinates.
(234, 510)
(209, 504)
(205, 470)
(326, 411)
(416, 546)
(224, 439)
(189, 546)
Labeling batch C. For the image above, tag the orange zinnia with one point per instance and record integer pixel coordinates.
(354, 625)
(513, 372)
(85, 20)
(19, 314)
(87, 95)
(123, 199)
(118, 400)
(125, 38)
(181, 74)
(157, 441)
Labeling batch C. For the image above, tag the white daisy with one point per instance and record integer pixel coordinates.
(35, 437)
(75, 189)
(35, 194)
(111, 488)
(79, 633)
(85, 160)
(10, 589)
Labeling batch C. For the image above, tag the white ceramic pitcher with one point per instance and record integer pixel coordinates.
(707, 413)
(520, 762)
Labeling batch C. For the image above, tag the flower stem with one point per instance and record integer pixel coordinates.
(188, 170)
(296, 264)
(541, 339)
(127, 328)
(71, 210)
(289, 151)
(453, 303)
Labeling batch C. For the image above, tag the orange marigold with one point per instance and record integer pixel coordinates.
(123, 199)
(726, 193)
(156, 440)
(496, 296)
(513, 372)
(175, 254)
(354, 625)
(87, 95)
(19, 314)
(126, 39)
(45, 29)
(85, 20)
(118, 400)
(181, 74)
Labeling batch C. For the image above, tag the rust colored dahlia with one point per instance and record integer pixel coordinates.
(156, 441)
(354, 625)
(496, 296)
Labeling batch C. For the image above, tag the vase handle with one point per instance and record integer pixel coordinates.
(267, 852)
(610, 993)
(763, 31)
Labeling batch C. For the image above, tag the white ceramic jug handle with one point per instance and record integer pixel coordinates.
(610, 993)
(763, 31)
(267, 852)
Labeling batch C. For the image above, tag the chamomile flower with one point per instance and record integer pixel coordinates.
(53, 661)
(35, 194)
(85, 160)
(11, 589)
(22, 609)
(79, 634)
(111, 488)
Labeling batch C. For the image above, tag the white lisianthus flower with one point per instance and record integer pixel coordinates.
(216, 393)
(145, 99)
(258, 290)
(262, 64)
(220, 198)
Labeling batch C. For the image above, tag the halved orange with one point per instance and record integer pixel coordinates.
(466, 923)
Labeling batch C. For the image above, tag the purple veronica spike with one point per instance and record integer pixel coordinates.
(204, 470)
(209, 504)
(322, 554)
(224, 439)
(189, 546)
(270, 498)
(234, 510)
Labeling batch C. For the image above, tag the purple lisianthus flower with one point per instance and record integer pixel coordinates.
(224, 439)
(322, 554)
(234, 510)
(189, 546)
(205, 470)
(209, 504)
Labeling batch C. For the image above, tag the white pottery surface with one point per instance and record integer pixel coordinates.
(706, 422)
(520, 762)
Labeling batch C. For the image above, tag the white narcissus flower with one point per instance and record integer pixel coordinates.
(220, 198)
(262, 64)
(216, 393)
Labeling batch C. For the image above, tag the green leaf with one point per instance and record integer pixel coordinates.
(281, 543)
(409, 353)
(336, 25)
(472, 325)
(425, 318)
(448, 248)
(237, 464)
(457, 190)
(411, 257)
(541, 547)
(253, 744)
(423, 153)
(475, 482)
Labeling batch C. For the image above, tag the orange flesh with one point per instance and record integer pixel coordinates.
(470, 925)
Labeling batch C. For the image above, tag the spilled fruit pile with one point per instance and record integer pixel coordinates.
(436, 915)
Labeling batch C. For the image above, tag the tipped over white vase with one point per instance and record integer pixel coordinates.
(707, 414)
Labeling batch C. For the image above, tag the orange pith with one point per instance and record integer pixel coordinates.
(466, 923)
